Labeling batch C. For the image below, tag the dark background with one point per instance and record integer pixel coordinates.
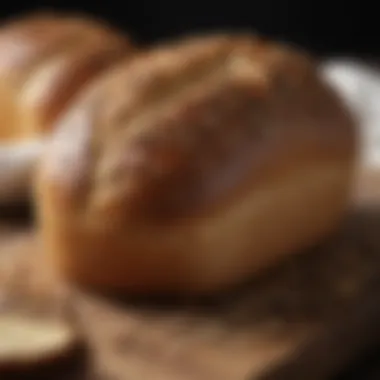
(324, 27)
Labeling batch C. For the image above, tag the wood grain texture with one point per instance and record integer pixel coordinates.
(306, 319)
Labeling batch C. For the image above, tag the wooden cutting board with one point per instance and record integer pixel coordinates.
(305, 320)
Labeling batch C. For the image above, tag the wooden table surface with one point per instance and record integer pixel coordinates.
(307, 319)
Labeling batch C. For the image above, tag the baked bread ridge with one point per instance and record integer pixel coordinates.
(194, 166)
(49, 58)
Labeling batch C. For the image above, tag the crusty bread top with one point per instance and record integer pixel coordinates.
(48, 57)
(185, 127)
(33, 40)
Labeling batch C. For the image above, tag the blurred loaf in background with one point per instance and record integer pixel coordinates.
(46, 59)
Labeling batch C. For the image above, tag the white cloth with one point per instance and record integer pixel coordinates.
(359, 85)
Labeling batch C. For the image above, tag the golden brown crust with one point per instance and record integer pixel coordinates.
(48, 59)
(172, 144)
(199, 119)
(31, 40)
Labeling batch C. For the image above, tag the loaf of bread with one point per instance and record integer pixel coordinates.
(45, 61)
(195, 166)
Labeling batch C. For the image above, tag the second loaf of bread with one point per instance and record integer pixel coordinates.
(194, 166)
(45, 60)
